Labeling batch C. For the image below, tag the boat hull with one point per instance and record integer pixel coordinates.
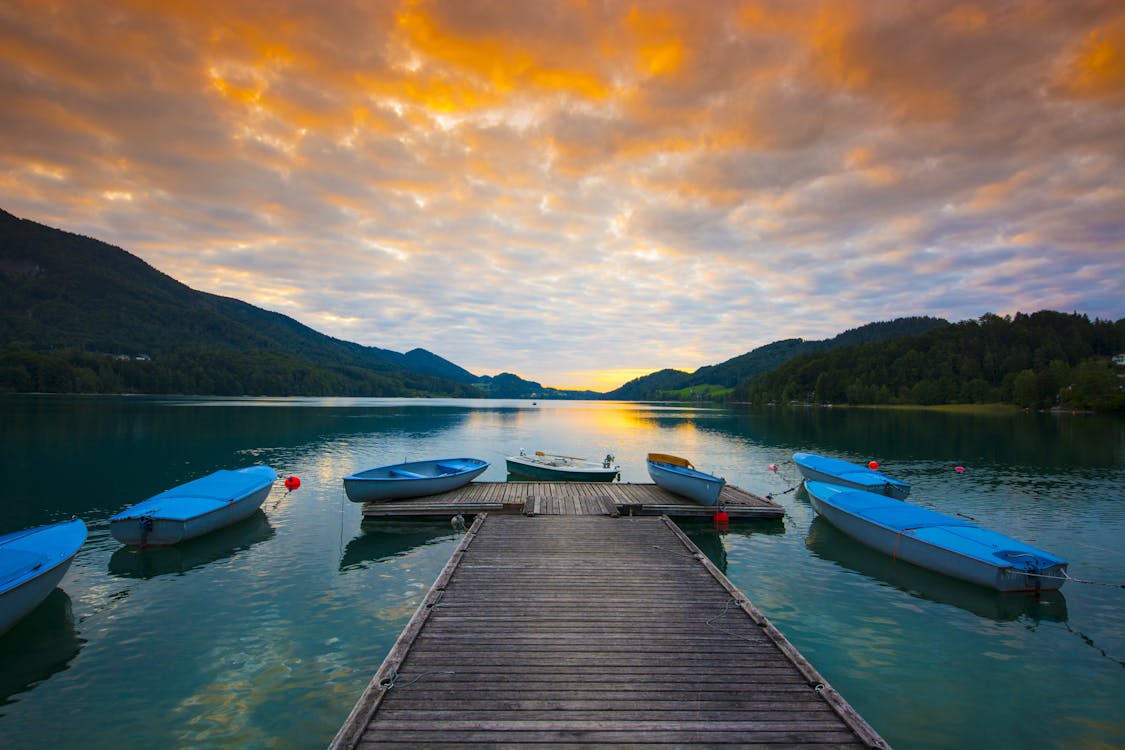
(32, 563)
(528, 468)
(933, 540)
(816, 468)
(193, 509)
(687, 482)
(412, 479)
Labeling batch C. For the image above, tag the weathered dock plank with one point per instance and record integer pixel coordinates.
(587, 631)
(572, 498)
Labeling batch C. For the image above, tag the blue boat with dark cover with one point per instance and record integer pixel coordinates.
(933, 540)
(835, 471)
(32, 562)
(194, 508)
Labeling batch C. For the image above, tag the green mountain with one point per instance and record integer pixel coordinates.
(1042, 360)
(659, 385)
(77, 314)
(507, 385)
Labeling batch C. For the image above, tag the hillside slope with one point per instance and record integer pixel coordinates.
(765, 358)
(61, 292)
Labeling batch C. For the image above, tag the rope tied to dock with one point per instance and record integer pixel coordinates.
(390, 683)
(772, 495)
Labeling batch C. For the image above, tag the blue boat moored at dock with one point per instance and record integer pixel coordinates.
(412, 479)
(834, 471)
(32, 562)
(933, 540)
(194, 508)
(677, 475)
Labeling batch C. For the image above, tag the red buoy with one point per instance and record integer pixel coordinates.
(292, 483)
(873, 465)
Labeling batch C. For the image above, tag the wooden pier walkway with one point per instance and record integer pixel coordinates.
(591, 631)
(572, 498)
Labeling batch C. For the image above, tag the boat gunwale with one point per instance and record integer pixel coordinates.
(358, 476)
(999, 567)
(49, 562)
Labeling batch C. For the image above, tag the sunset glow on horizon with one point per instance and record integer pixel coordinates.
(583, 192)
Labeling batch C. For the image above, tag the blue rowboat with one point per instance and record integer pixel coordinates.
(549, 467)
(834, 471)
(677, 475)
(194, 508)
(412, 479)
(32, 562)
(933, 540)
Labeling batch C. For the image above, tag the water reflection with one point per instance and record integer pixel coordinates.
(383, 539)
(40, 645)
(829, 543)
(130, 562)
(709, 539)
(1037, 440)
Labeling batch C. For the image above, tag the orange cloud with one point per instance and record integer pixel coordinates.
(1097, 68)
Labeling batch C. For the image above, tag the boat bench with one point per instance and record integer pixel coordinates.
(447, 469)
(406, 474)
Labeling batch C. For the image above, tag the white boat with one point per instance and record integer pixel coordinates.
(412, 479)
(32, 562)
(933, 540)
(194, 508)
(677, 475)
(550, 467)
(834, 471)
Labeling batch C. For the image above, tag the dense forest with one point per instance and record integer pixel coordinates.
(1043, 360)
(717, 380)
(206, 372)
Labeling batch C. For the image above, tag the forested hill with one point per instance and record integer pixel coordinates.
(79, 315)
(658, 385)
(1042, 360)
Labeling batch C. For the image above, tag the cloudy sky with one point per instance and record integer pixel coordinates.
(583, 191)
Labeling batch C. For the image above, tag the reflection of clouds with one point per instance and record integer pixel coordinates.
(561, 189)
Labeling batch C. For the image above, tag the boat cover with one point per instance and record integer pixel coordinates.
(201, 496)
(26, 554)
(853, 473)
(930, 526)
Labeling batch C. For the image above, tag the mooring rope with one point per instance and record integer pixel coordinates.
(1068, 577)
(392, 682)
(771, 495)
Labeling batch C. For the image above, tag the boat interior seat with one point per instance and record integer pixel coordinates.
(402, 474)
(448, 469)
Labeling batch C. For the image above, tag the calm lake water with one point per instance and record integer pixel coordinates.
(265, 634)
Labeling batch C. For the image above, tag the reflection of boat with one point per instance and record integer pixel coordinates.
(134, 562)
(936, 541)
(412, 479)
(32, 562)
(554, 468)
(834, 471)
(677, 475)
(40, 645)
(829, 543)
(194, 508)
(382, 539)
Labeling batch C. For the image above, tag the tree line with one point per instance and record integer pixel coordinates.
(206, 372)
(1042, 360)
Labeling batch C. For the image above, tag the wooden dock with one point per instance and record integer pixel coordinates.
(591, 631)
(572, 498)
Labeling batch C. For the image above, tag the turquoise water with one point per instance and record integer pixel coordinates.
(263, 635)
